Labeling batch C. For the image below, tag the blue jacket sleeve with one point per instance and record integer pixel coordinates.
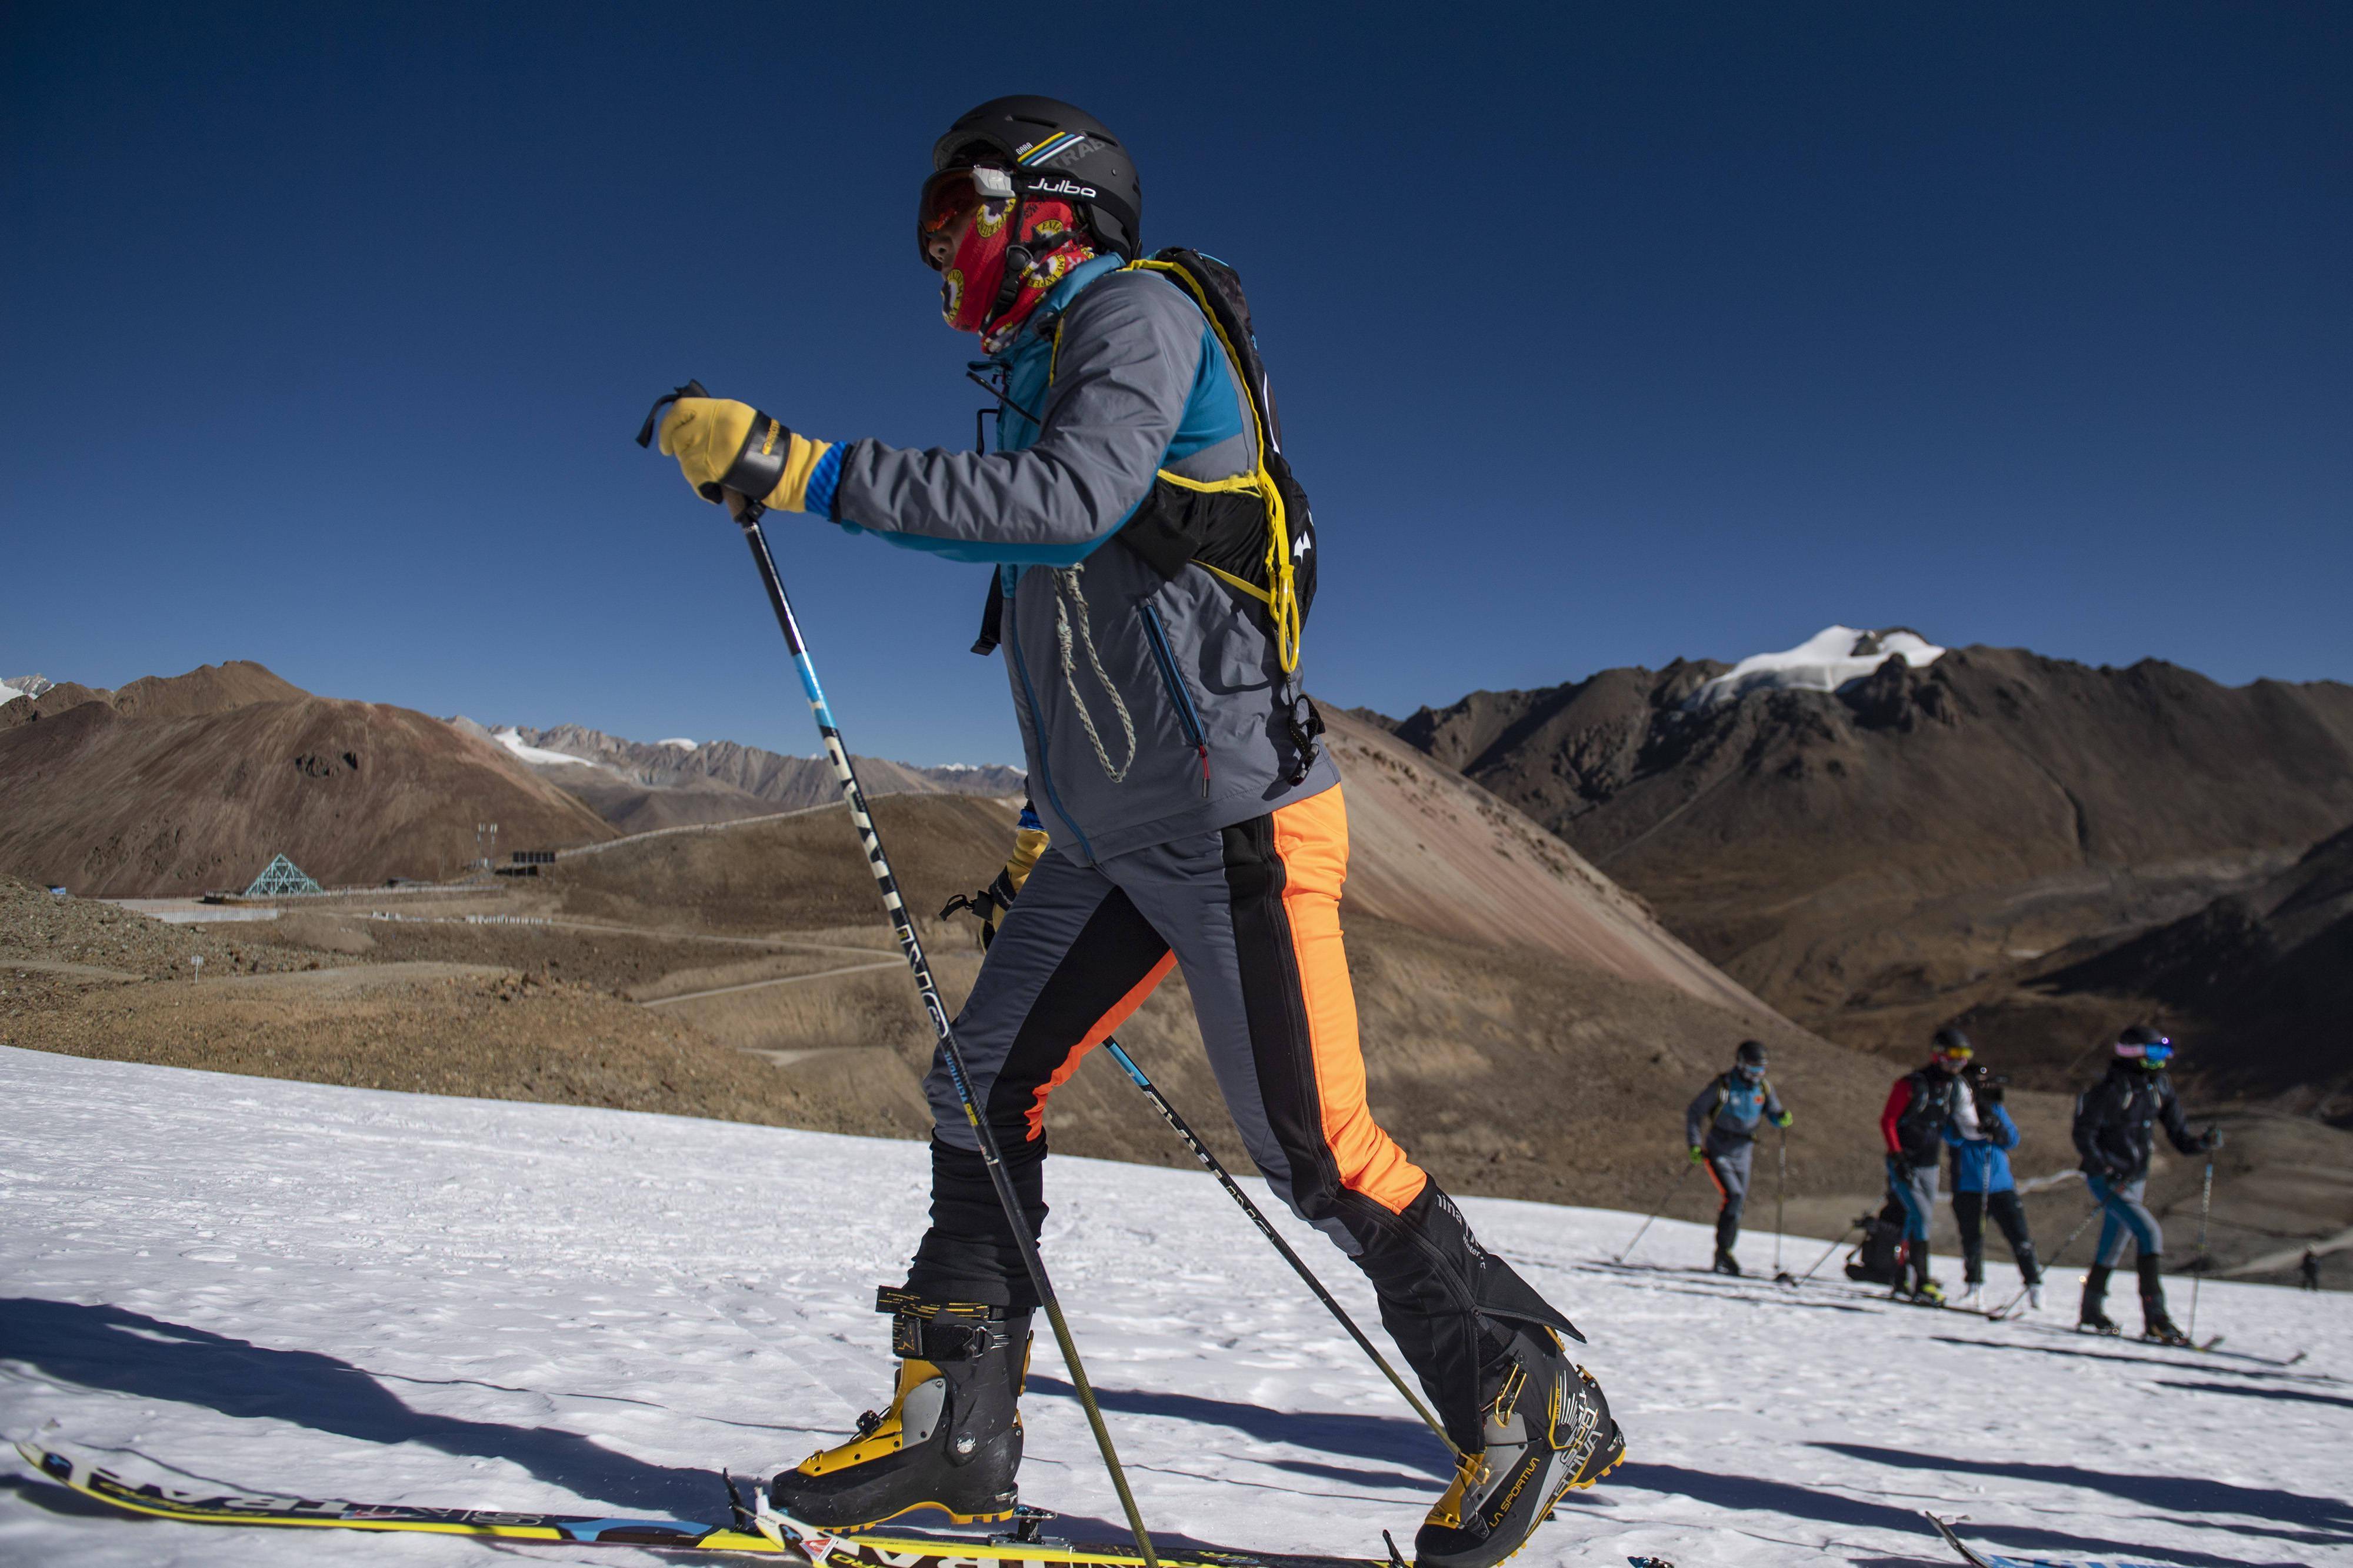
(2005, 1129)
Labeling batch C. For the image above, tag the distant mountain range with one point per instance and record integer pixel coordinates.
(1879, 835)
(638, 786)
(190, 784)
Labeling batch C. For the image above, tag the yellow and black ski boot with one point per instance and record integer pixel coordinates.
(951, 1439)
(1548, 1430)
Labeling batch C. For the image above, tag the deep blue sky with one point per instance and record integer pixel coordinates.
(1604, 333)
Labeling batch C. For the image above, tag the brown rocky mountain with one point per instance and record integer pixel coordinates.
(2260, 981)
(188, 784)
(637, 786)
(209, 689)
(1877, 859)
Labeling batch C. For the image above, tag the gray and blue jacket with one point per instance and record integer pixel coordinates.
(1151, 706)
(1727, 1111)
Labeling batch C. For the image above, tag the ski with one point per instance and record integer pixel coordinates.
(1977, 1559)
(793, 1543)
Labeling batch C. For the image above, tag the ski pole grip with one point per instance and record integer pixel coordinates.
(653, 415)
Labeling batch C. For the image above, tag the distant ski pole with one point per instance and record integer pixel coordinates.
(1659, 1209)
(2198, 1275)
(746, 512)
(1825, 1257)
(1781, 1206)
(1299, 1265)
(2053, 1261)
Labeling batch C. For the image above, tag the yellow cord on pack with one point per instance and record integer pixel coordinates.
(1282, 594)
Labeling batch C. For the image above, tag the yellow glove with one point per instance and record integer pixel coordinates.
(991, 902)
(720, 444)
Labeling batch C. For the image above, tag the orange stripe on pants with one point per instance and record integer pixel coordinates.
(1312, 839)
(1104, 1029)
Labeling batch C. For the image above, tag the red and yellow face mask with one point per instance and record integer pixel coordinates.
(974, 275)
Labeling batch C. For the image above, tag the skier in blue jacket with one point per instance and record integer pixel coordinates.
(1982, 1134)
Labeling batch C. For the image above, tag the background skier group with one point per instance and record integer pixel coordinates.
(1952, 1107)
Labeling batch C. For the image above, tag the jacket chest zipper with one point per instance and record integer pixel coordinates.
(1183, 699)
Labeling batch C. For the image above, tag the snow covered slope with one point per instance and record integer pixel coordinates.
(254, 1285)
(1828, 660)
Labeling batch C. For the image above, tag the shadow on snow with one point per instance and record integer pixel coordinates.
(109, 1348)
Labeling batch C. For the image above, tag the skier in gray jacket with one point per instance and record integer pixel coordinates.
(1720, 1126)
(1151, 564)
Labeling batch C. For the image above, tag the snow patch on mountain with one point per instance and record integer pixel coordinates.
(680, 741)
(15, 686)
(513, 742)
(1831, 659)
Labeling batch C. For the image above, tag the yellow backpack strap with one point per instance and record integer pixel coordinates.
(1281, 595)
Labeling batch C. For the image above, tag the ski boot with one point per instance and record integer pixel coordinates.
(1726, 1263)
(1972, 1294)
(2034, 1297)
(1548, 1430)
(2091, 1319)
(952, 1437)
(2156, 1326)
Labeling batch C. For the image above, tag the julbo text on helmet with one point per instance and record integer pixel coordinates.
(1049, 150)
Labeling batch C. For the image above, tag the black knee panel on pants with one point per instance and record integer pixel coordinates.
(970, 1254)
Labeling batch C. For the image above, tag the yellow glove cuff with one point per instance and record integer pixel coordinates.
(791, 493)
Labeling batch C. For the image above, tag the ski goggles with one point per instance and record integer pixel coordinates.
(2157, 1053)
(949, 194)
(1954, 1053)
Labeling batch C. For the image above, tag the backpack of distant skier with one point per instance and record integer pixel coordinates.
(1880, 1259)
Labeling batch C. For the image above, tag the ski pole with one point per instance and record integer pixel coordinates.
(746, 512)
(1780, 1203)
(2053, 1261)
(2205, 1208)
(1825, 1257)
(1655, 1212)
(1211, 1163)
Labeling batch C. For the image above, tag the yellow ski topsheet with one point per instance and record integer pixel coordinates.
(820, 1550)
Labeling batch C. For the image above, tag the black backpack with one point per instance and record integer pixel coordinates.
(1880, 1259)
(1259, 537)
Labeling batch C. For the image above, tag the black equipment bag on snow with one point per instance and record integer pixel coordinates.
(1880, 1259)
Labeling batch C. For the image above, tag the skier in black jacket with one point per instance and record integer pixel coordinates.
(1912, 1125)
(2115, 1121)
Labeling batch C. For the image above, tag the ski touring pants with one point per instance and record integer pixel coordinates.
(1969, 1213)
(1915, 1188)
(1251, 912)
(1727, 1166)
(2128, 1218)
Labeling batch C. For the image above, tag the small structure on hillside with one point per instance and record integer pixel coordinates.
(278, 878)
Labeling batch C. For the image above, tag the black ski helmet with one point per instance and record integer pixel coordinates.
(1951, 1042)
(1751, 1054)
(1048, 148)
(2140, 1035)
